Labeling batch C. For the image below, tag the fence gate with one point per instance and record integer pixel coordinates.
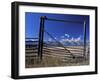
(42, 30)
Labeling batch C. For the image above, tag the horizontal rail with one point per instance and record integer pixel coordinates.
(62, 53)
(68, 21)
(60, 56)
(55, 48)
(31, 38)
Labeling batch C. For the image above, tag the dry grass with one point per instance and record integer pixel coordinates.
(49, 60)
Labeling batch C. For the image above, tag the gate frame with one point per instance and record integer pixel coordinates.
(41, 34)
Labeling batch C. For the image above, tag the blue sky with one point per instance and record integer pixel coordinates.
(59, 30)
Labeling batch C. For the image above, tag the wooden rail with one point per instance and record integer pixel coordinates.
(55, 52)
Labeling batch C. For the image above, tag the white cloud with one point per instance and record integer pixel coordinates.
(55, 38)
(78, 39)
(67, 35)
(72, 40)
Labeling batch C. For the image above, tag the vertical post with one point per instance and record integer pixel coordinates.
(39, 46)
(41, 34)
(84, 54)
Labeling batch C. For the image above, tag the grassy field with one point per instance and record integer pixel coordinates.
(56, 56)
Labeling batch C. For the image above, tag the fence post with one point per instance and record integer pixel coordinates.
(41, 34)
(84, 54)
